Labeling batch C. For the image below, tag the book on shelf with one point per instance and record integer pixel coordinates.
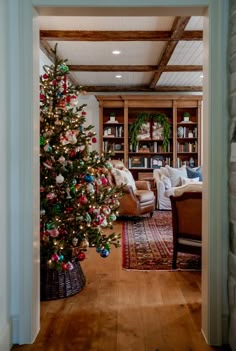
(136, 161)
(113, 131)
(157, 161)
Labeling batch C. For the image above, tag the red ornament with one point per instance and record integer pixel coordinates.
(82, 200)
(64, 266)
(69, 210)
(81, 256)
(94, 140)
(45, 76)
(55, 257)
(83, 113)
(104, 180)
(72, 154)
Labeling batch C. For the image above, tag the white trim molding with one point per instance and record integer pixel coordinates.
(24, 151)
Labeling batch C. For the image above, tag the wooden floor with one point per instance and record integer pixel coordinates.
(122, 310)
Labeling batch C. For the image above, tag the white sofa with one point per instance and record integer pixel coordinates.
(171, 181)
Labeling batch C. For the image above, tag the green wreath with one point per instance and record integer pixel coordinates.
(142, 118)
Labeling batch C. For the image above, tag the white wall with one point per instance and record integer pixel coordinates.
(4, 189)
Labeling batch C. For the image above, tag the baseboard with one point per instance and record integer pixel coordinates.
(5, 338)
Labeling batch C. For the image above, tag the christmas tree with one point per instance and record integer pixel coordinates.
(77, 203)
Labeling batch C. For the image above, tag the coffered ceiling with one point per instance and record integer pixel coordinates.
(157, 54)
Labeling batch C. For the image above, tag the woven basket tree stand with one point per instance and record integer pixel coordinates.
(57, 285)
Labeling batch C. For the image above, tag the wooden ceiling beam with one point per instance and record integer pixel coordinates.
(76, 35)
(134, 68)
(142, 88)
(177, 31)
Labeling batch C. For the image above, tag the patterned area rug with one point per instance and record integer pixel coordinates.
(147, 244)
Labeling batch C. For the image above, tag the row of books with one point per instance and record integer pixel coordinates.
(187, 132)
(148, 162)
(187, 147)
(150, 147)
(190, 162)
(113, 131)
(111, 146)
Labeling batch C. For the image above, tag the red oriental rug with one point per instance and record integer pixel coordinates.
(147, 244)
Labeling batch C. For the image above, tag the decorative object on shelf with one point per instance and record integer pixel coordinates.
(73, 187)
(112, 118)
(180, 132)
(137, 161)
(186, 116)
(143, 119)
(190, 134)
(157, 161)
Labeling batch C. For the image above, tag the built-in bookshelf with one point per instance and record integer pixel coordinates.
(118, 113)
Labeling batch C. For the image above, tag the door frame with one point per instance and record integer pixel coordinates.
(24, 159)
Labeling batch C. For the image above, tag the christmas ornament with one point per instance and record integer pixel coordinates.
(64, 266)
(63, 68)
(50, 226)
(88, 178)
(81, 256)
(112, 217)
(75, 241)
(90, 188)
(59, 179)
(82, 200)
(57, 208)
(55, 258)
(104, 253)
(62, 160)
(70, 266)
(104, 181)
(61, 257)
(51, 196)
(47, 148)
(53, 232)
(87, 217)
(94, 140)
(106, 210)
(84, 244)
(42, 140)
(104, 224)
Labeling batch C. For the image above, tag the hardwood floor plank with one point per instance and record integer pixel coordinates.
(121, 310)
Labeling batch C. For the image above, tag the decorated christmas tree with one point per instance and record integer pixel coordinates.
(77, 203)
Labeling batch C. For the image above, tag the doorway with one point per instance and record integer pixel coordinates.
(215, 140)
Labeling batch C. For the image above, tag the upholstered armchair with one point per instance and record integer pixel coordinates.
(187, 223)
(137, 197)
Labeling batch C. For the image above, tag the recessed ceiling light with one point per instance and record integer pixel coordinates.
(201, 75)
(116, 52)
(118, 76)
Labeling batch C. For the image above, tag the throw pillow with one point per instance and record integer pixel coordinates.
(189, 180)
(175, 175)
(123, 177)
(166, 181)
(194, 172)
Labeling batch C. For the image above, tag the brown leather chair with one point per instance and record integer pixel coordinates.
(136, 200)
(187, 224)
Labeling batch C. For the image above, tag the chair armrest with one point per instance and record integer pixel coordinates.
(142, 185)
(160, 188)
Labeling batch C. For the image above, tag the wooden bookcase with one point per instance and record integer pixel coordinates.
(116, 112)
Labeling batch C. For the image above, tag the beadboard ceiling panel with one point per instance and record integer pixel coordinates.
(180, 79)
(156, 53)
